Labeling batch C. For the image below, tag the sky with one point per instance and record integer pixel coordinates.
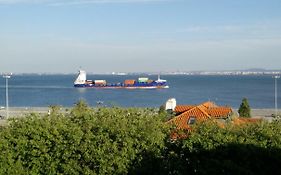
(101, 36)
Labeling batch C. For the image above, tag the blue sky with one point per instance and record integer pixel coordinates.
(139, 35)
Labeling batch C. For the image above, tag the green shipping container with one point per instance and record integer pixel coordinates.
(142, 79)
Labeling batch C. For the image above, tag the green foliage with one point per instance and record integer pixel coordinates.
(165, 114)
(86, 141)
(232, 149)
(244, 109)
(134, 141)
(54, 109)
(209, 135)
(162, 109)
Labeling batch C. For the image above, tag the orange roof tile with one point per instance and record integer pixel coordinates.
(203, 109)
(201, 112)
(181, 121)
(219, 112)
(183, 108)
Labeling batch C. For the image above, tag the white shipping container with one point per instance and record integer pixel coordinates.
(100, 81)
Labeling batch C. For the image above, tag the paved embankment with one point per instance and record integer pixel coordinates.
(23, 111)
(265, 114)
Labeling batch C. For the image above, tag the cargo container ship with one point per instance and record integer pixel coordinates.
(141, 83)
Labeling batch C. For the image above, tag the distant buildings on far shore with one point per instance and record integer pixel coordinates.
(225, 73)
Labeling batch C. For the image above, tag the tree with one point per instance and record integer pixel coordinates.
(244, 109)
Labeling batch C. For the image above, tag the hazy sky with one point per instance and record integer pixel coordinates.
(139, 35)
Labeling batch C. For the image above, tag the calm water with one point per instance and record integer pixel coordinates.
(45, 90)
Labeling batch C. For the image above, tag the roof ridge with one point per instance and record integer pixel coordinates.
(182, 114)
(200, 108)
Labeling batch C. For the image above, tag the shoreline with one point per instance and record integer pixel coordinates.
(264, 113)
(22, 110)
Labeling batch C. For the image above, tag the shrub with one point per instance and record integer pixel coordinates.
(85, 141)
(244, 109)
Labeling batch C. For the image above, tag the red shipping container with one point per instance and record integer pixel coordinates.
(129, 82)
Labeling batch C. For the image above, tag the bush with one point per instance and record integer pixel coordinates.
(134, 141)
(86, 141)
(210, 149)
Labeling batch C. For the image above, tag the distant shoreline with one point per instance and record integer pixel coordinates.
(245, 72)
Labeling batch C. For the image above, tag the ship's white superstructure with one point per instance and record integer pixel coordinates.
(81, 78)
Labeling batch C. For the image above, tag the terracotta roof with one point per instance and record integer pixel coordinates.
(207, 110)
(219, 112)
(181, 121)
(183, 108)
(201, 112)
